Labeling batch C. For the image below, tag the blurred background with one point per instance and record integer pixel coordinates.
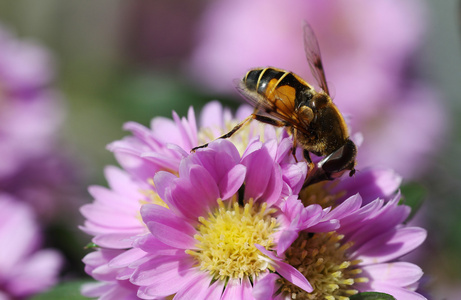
(394, 68)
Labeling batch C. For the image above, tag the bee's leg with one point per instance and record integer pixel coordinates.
(308, 159)
(254, 116)
(230, 133)
(293, 148)
(307, 156)
(269, 120)
(278, 123)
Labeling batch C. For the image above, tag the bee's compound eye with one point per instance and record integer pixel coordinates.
(320, 101)
(306, 113)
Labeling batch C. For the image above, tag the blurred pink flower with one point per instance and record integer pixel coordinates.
(31, 113)
(367, 48)
(25, 269)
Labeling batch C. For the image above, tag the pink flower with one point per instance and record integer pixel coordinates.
(219, 206)
(113, 218)
(226, 221)
(25, 269)
(361, 255)
(367, 73)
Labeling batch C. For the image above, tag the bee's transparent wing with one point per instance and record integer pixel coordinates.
(312, 49)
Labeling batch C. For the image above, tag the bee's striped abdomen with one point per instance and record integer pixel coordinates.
(265, 81)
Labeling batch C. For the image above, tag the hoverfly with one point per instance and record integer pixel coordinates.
(283, 99)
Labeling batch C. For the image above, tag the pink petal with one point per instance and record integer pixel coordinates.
(163, 276)
(390, 216)
(265, 287)
(18, 232)
(120, 182)
(271, 145)
(287, 271)
(94, 290)
(143, 133)
(259, 162)
(390, 245)
(274, 187)
(284, 149)
(236, 290)
(398, 274)
(149, 243)
(397, 279)
(224, 145)
(353, 222)
(232, 181)
(204, 186)
(131, 161)
(371, 184)
(196, 288)
(294, 276)
(215, 291)
(184, 133)
(294, 175)
(161, 160)
(162, 182)
(111, 218)
(192, 126)
(254, 145)
(160, 268)
(218, 158)
(36, 273)
(164, 129)
(286, 239)
(349, 206)
(167, 227)
(126, 258)
(121, 292)
(194, 201)
(211, 115)
(397, 292)
(120, 240)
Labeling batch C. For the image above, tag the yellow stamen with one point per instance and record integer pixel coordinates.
(226, 240)
(320, 193)
(323, 260)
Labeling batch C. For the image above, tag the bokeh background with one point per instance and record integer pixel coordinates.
(119, 61)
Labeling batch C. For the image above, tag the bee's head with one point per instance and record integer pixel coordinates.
(335, 164)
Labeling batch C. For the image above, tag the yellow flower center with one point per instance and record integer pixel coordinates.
(226, 240)
(323, 260)
(151, 196)
(320, 193)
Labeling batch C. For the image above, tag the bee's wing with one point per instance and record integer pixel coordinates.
(282, 109)
(312, 49)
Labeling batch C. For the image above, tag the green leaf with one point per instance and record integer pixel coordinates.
(91, 245)
(413, 196)
(372, 296)
(68, 290)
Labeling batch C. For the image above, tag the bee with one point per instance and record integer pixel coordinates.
(283, 99)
